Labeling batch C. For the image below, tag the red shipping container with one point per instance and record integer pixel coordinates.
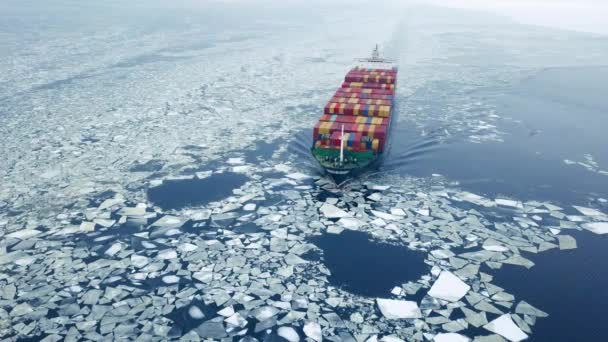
(369, 79)
(354, 119)
(372, 70)
(360, 95)
(368, 91)
(368, 85)
(324, 129)
(355, 100)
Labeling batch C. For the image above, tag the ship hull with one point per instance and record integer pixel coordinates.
(342, 175)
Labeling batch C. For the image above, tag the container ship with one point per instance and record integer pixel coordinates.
(352, 133)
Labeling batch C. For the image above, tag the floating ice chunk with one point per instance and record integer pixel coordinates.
(298, 176)
(397, 291)
(588, 211)
(195, 312)
(107, 223)
(527, 309)
(292, 259)
(236, 261)
(476, 319)
(494, 246)
(241, 168)
(236, 320)
(333, 301)
(289, 333)
(389, 338)
(385, 216)
(132, 211)
(115, 248)
(139, 261)
(282, 168)
(376, 196)
(331, 211)
(230, 207)
(170, 279)
(169, 221)
(86, 226)
(398, 212)
(167, 254)
(211, 330)
(187, 247)
(350, 223)
(423, 212)
(334, 230)
(518, 260)
(249, 207)
(450, 337)
(24, 234)
(505, 327)
(235, 161)
(378, 222)
(21, 309)
(397, 309)
(227, 311)
(356, 317)
(566, 242)
(487, 307)
(110, 203)
(449, 287)
(200, 215)
(442, 253)
(596, 227)
(475, 199)
(509, 203)
(313, 331)
(379, 187)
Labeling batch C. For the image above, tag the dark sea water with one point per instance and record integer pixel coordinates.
(555, 115)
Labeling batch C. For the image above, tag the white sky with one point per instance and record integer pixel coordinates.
(581, 15)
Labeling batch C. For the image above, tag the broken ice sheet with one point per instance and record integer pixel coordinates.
(596, 227)
(449, 287)
(169, 221)
(566, 242)
(331, 211)
(398, 309)
(505, 327)
(589, 211)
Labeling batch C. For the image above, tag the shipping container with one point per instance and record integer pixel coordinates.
(375, 71)
(355, 100)
(357, 109)
(369, 78)
(324, 129)
(354, 119)
(367, 91)
(368, 85)
(360, 95)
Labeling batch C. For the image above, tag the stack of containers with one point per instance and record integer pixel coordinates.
(362, 107)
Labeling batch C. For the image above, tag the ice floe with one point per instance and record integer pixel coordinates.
(505, 327)
(398, 309)
(449, 287)
(596, 227)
